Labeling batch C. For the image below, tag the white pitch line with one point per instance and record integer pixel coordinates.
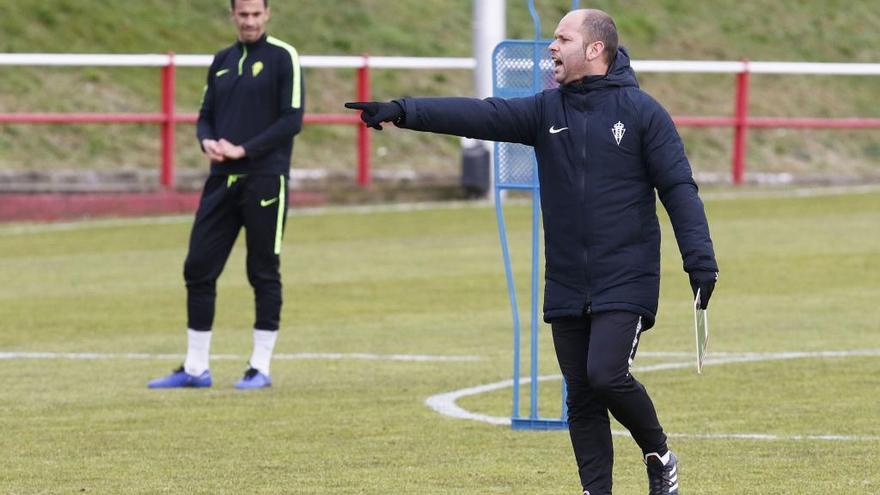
(767, 437)
(445, 403)
(800, 192)
(65, 226)
(94, 356)
(378, 357)
(773, 438)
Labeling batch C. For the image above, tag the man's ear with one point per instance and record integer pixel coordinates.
(594, 50)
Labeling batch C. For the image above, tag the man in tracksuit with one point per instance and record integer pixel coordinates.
(603, 148)
(252, 109)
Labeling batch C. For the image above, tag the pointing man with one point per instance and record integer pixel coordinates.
(604, 148)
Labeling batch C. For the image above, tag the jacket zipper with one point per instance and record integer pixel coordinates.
(587, 296)
(243, 57)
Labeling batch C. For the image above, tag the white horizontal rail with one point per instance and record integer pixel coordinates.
(814, 68)
(422, 63)
(853, 69)
(183, 60)
(354, 62)
(83, 59)
(687, 66)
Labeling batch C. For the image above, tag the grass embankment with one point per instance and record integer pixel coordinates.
(724, 30)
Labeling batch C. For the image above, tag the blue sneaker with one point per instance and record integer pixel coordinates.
(181, 379)
(253, 379)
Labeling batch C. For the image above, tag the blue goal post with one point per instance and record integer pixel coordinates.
(521, 68)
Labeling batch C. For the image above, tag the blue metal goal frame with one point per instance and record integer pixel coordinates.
(505, 179)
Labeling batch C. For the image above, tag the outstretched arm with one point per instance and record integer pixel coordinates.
(493, 119)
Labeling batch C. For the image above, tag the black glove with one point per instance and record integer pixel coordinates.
(705, 283)
(373, 113)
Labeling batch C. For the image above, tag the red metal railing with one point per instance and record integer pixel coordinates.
(741, 122)
(168, 118)
(166, 177)
(363, 136)
(741, 113)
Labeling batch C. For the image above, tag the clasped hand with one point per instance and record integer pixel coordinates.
(222, 150)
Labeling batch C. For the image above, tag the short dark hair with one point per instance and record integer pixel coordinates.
(232, 4)
(599, 26)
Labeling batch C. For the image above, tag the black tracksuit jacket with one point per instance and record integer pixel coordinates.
(610, 148)
(254, 97)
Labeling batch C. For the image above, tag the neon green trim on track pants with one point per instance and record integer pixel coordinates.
(232, 178)
(279, 222)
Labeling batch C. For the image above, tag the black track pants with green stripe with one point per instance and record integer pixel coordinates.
(229, 202)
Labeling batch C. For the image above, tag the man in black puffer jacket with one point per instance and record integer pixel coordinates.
(603, 148)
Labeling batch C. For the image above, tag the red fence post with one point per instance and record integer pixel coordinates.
(166, 177)
(740, 124)
(363, 136)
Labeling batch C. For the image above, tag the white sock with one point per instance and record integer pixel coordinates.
(264, 343)
(197, 350)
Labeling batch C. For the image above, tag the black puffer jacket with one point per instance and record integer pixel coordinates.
(603, 147)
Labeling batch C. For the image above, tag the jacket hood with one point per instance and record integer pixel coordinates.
(620, 74)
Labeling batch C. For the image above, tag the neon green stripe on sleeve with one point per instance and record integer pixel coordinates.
(297, 71)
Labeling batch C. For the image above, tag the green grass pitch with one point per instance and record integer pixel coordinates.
(797, 274)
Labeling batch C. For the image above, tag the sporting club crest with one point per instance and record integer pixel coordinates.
(618, 131)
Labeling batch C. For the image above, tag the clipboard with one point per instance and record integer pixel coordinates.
(701, 332)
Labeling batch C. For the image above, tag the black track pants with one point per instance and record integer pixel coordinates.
(595, 353)
(259, 204)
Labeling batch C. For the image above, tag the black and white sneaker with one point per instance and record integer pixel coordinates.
(662, 474)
